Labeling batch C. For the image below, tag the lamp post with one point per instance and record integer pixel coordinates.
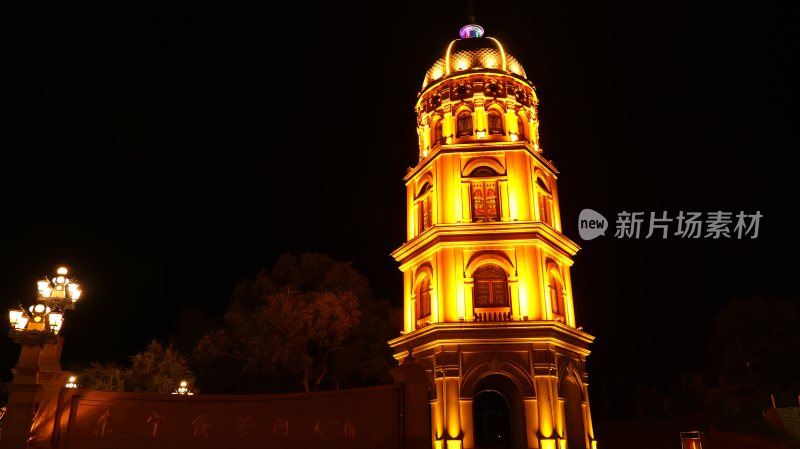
(36, 330)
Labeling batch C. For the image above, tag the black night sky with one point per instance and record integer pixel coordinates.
(165, 154)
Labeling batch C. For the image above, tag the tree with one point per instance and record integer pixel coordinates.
(104, 376)
(754, 346)
(158, 369)
(757, 341)
(292, 327)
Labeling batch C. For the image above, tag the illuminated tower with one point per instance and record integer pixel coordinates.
(488, 305)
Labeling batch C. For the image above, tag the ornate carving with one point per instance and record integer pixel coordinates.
(33, 338)
(511, 88)
(493, 88)
(462, 90)
(522, 97)
(435, 100)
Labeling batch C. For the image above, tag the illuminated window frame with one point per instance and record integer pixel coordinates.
(423, 308)
(464, 124)
(482, 180)
(424, 204)
(494, 279)
(494, 120)
(556, 291)
(544, 198)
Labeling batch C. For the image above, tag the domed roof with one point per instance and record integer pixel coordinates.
(473, 51)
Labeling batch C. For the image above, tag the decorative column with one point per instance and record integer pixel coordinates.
(22, 394)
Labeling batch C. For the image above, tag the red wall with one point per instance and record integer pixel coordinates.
(365, 418)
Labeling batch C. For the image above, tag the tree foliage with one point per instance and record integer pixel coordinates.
(159, 369)
(762, 334)
(308, 322)
(104, 376)
(755, 346)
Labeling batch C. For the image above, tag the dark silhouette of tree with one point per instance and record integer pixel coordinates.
(193, 324)
(310, 322)
(103, 376)
(159, 369)
(757, 341)
(755, 346)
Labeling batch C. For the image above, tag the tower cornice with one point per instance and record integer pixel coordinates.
(507, 332)
(472, 148)
(472, 234)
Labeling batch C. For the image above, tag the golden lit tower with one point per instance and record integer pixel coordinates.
(488, 305)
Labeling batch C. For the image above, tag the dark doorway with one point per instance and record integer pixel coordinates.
(491, 421)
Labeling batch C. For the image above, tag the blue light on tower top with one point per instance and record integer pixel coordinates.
(472, 30)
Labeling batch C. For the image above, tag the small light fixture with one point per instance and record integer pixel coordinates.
(44, 288)
(424, 153)
(481, 135)
(183, 389)
(18, 318)
(55, 318)
(74, 291)
(514, 137)
(72, 383)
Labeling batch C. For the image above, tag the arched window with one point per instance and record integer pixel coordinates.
(424, 299)
(495, 122)
(545, 199)
(424, 204)
(485, 201)
(464, 124)
(556, 293)
(523, 127)
(438, 139)
(491, 287)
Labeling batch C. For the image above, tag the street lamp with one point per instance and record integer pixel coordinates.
(31, 396)
(183, 389)
(42, 321)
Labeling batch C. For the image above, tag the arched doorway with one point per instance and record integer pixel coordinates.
(498, 414)
(573, 411)
(491, 421)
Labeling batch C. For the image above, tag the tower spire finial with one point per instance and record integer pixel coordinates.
(471, 29)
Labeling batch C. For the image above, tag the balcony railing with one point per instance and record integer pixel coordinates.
(492, 316)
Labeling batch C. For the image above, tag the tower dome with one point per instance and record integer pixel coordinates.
(475, 94)
(473, 51)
